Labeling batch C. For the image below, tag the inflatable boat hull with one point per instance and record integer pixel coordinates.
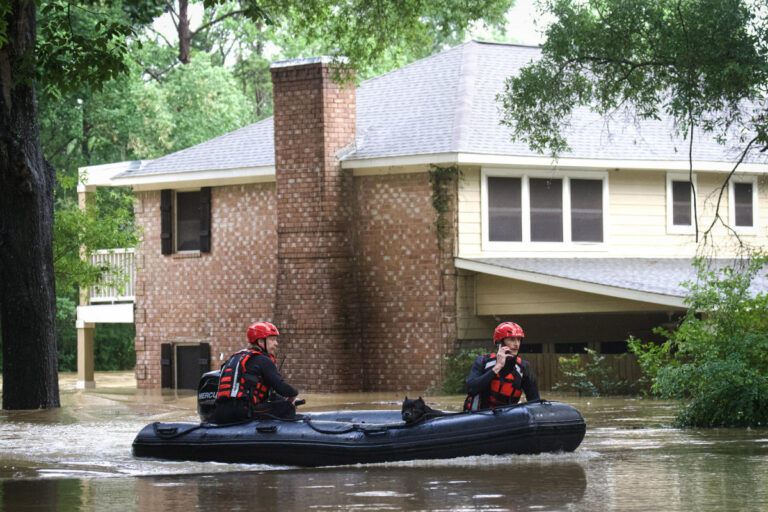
(351, 437)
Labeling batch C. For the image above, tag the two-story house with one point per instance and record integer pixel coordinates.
(322, 219)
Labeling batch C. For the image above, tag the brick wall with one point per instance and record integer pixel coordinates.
(316, 303)
(407, 286)
(349, 269)
(209, 298)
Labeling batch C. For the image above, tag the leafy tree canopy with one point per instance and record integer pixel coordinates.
(702, 62)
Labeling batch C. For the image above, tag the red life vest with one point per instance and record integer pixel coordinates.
(233, 382)
(505, 388)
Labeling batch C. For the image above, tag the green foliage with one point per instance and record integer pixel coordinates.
(80, 45)
(716, 362)
(441, 179)
(205, 101)
(106, 223)
(591, 376)
(457, 366)
(379, 36)
(694, 60)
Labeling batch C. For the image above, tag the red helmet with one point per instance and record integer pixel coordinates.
(507, 330)
(259, 330)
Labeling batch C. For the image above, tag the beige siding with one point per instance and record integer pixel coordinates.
(499, 296)
(637, 219)
(470, 232)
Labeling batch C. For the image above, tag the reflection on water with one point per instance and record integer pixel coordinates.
(78, 458)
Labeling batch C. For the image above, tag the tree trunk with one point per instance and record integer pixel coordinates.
(27, 286)
(185, 36)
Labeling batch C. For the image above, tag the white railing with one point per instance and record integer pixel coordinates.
(123, 266)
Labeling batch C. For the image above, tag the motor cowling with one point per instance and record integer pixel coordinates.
(206, 395)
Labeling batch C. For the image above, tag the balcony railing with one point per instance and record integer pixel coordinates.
(123, 266)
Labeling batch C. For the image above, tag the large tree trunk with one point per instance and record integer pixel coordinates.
(27, 287)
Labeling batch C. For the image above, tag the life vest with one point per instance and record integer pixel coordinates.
(505, 388)
(233, 382)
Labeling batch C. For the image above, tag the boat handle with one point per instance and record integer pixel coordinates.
(375, 432)
(167, 431)
(267, 430)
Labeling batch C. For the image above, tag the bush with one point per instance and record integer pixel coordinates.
(590, 376)
(716, 362)
(457, 369)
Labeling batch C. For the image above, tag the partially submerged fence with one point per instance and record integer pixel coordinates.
(548, 370)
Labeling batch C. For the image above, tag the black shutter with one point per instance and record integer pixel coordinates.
(205, 219)
(205, 358)
(166, 365)
(166, 221)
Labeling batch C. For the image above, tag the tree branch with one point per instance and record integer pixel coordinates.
(174, 15)
(725, 185)
(690, 180)
(217, 20)
(162, 36)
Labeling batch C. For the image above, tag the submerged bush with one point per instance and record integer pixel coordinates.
(457, 369)
(716, 362)
(590, 376)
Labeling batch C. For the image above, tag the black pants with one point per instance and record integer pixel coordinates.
(235, 411)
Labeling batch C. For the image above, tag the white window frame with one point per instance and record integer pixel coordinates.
(526, 244)
(743, 230)
(176, 221)
(674, 229)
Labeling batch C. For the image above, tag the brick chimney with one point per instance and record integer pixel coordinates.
(316, 299)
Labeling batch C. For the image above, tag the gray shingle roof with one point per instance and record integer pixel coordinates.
(447, 103)
(250, 146)
(662, 275)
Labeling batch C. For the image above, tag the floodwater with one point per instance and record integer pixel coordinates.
(79, 458)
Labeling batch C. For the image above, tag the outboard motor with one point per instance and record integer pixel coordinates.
(206, 395)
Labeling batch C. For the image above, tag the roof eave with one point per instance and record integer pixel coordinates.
(182, 179)
(491, 160)
(571, 284)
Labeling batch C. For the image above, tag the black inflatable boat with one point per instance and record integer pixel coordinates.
(351, 437)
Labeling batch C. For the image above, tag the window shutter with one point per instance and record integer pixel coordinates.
(205, 358)
(166, 221)
(166, 365)
(205, 219)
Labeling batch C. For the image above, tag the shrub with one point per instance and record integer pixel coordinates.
(457, 369)
(716, 362)
(590, 376)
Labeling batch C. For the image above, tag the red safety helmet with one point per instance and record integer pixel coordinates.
(507, 330)
(259, 330)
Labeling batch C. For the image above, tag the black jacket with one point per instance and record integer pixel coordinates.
(481, 374)
(264, 366)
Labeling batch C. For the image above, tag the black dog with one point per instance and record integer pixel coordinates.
(415, 410)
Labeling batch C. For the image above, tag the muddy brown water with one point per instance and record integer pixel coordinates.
(79, 458)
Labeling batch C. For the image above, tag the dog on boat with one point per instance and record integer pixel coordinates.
(416, 410)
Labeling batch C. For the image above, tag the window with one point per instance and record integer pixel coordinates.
(546, 210)
(541, 210)
(505, 209)
(742, 204)
(586, 211)
(680, 213)
(186, 220)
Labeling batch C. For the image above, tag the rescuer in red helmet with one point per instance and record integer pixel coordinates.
(249, 376)
(500, 379)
